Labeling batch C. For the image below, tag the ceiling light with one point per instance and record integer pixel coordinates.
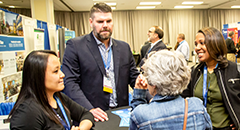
(181, 7)
(1, 2)
(192, 2)
(11, 6)
(113, 8)
(235, 6)
(149, 3)
(111, 4)
(146, 7)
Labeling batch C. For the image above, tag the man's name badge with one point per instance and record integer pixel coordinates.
(107, 85)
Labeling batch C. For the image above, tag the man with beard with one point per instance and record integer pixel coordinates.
(155, 35)
(97, 67)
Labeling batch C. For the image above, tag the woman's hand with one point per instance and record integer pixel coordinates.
(75, 128)
(232, 126)
(141, 82)
(85, 125)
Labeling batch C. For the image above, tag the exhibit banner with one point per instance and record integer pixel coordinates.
(238, 35)
(238, 27)
(10, 23)
(8, 61)
(38, 39)
(69, 35)
(225, 33)
(235, 39)
(10, 87)
(11, 43)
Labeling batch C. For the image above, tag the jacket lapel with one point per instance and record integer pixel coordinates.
(93, 47)
(116, 60)
(156, 46)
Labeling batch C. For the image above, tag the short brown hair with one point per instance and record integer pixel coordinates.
(158, 31)
(100, 7)
(181, 35)
(215, 45)
(231, 33)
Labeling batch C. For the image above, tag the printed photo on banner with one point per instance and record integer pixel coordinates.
(10, 86)
(10, 23)
(20, 56)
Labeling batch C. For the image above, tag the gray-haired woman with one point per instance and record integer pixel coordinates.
(166, 75)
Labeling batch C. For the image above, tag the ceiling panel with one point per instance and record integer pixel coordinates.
(59, 6)
(16, 3)
(85, 5)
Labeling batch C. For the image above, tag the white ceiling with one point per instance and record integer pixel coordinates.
(85, 5)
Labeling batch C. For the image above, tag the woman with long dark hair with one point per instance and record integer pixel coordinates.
(40, 105)
(216, 80)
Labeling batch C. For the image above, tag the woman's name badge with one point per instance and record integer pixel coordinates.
(107, 85)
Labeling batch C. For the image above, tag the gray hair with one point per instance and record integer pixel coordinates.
(181, 35)
(168, 71)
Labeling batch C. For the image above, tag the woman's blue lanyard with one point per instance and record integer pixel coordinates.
(205, 89)
(67, 127)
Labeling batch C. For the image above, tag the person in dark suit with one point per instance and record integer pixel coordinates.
(144, 49)
(230, 43)
(231, 47)
(155, 35)
(97, 67)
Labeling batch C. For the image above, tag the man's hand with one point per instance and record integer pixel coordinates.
(99, 114)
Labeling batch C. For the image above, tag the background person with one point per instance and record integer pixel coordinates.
(238, 47)
(231, 49)
(215, 80)
(40, 105)
(155, 35)
(183, 46)
(99, 68)
(166, 75)
(144, 49)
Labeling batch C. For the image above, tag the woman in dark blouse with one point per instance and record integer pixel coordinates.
(40, 105)
(216, 80)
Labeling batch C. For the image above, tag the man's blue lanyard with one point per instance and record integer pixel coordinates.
(205, 89)
(67, 127)
(150, 49)
(181, 42)
(107, 66)
(229, 38)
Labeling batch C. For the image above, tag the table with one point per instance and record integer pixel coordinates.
(112, 123)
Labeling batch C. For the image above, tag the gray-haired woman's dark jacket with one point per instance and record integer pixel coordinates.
(229, 85)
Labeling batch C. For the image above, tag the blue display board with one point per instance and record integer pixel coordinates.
(225, 25)
(224, 33)
(69, 35)
(11, 43)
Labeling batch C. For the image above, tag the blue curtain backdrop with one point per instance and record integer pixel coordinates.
(43, 25)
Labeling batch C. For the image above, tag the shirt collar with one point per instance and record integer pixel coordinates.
(158, 97)
(152, 44)
(181, 42)
(100, 43)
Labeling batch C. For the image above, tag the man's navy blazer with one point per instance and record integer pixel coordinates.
(159, 46)
(84, 69)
